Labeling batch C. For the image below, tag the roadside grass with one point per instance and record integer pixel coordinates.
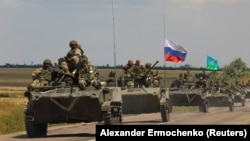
(12, 115)
(12, 91)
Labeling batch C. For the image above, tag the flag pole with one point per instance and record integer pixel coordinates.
(114, 34)
(114, 42)
(165, 71)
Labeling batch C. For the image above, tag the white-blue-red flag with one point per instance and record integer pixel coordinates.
(174, 52)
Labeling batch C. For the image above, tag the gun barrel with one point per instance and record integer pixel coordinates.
(151, 68)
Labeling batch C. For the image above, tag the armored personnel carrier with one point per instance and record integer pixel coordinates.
(70, 104)
(239, 96)
(184, 96)
(247, 90)
(218, 98)
(188, 90)
(140, 98)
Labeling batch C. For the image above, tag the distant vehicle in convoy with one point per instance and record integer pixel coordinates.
(239, 96)
(137, 99)
(189, 97)
(218, 98)
(69, 104)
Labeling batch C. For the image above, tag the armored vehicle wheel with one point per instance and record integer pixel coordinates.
(165, 116)
(35, 129)
(231, 106)
(243, 103)
(204, 106)
(170, 107)
(112, 118)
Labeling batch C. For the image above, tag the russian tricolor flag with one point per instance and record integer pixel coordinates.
(174, 52)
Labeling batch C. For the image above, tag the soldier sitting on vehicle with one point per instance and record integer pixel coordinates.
(90, 78)
(75, 52)
(128, 70)
(201, 83)
(225, 88)
(127, 74)
(152, 79)
(189, 79)
(138, 71)
(111, 81)
(42, 76)
(176, 83)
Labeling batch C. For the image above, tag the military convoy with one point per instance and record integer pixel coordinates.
(55, 104)
(59, 103)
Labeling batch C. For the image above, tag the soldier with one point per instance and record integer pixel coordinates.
(189, 79)
(201, 83)
(128, 69)
(149, 74)
(176, 83)
(89, 78)
(138, 69)
(111, 81)
(75, 51)
(42, 76)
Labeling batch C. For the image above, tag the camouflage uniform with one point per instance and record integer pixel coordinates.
(176, 83)
(138, 70)
(74, 64)
(42, 76)
(128, 69)
(75, 54)
(201, 83)
(152, 79)
(90, 78)
(149, 76)
(111, 81)
(189, 79)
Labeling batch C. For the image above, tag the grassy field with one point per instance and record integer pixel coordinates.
(11, 115)
(13, 83)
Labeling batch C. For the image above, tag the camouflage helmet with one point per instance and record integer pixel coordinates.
(148, 65)
(130, 62)
(73, 44)
(47, 61)
(137, 62)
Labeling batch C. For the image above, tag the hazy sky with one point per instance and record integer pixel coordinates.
(33, 30)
